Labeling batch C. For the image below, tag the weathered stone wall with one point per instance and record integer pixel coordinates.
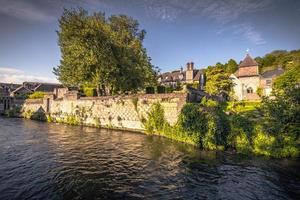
(125, 112)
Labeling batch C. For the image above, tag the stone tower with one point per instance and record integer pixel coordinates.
(247, 79)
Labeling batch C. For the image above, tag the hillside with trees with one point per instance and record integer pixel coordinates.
(279, 58)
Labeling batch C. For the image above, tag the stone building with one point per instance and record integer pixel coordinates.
(30, 87)
(5, 100)
(190, 75)
(247, 80)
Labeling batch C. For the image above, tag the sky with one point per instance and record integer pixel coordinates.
(178, 31)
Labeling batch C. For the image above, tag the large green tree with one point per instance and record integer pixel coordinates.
(231, 66)
(103, 53)
(218, 81)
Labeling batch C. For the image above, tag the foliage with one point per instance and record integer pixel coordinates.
(21, 96)
(89, 91)
(39, 116)
(156, 119)
(104, 52)
(231, 66)
(282, 114)
(198, 124)
(286, 59)
(194, 85)
(135, 103)
(259, 91)
(160, 89)
(150, 90)
(72, 120)
(27, 114)
(37, 95)
(218, 82)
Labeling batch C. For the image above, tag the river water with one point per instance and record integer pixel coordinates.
(54, 161)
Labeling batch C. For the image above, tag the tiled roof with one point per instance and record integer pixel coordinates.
(248, 71)
(248, 61)
(173, 76)
(197, 76)
(272, 73)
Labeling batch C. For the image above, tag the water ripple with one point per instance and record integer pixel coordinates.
(53, 161)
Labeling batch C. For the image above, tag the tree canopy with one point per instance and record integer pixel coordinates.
(283, 58)
(105, 53)
(218, 81)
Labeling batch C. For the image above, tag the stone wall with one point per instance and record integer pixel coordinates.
(124, 112)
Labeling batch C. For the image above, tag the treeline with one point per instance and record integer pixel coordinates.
(102, 53)
(279, 58)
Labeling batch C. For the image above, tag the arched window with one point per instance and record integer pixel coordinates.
(249, 90)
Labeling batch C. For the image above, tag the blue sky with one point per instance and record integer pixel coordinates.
(178, 31)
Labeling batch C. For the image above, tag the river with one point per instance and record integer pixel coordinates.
(54, 161)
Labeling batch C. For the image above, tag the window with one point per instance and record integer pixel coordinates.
(268, 82)
(249, 90)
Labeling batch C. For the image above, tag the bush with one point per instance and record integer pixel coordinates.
(169, 89)
(150, 90)
(39, 116)
(156, 119)
(90, 91)
(37, 95)
(263, 143)
(161, 89)
(21, 96)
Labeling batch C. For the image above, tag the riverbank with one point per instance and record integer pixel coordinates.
(209, 125)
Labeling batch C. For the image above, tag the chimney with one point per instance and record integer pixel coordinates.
(188, 65)
(192, 65)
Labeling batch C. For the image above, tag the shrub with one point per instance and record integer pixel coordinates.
(37, 95)
(242, 143)
(150, 90)
(90, 91)
(169, 89)
(160, 89)
(72, 120)
(27, 114)
(191, 119)
(135, 101)
(263, 143)
(39, 116)
(156, 119)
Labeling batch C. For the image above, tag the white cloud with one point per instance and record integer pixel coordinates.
(250, 33)
(12, 75)
(24, 10)
(224, 13)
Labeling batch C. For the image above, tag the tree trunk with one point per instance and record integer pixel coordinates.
(98, 90)
(103, 90)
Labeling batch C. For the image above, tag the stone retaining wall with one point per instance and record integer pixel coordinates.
(124, 112)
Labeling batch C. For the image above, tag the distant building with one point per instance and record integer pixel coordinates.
(190, 75)
(9, 87)
(5, 99)
(247, 80)
(30, 87)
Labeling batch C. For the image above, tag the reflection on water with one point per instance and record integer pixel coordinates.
(54, 161)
